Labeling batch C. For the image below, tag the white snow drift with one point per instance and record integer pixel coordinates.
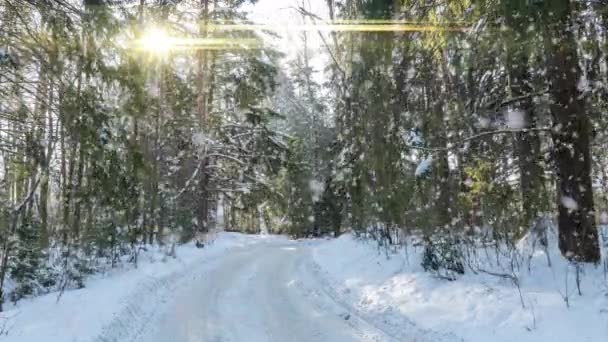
(476, 307)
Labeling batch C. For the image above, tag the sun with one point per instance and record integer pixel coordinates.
(156, 40)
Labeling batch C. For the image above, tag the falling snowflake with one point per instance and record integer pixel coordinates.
(516, 119)
(468, 182)
(484, 122)
(316, 188)
(569, 203)
(583, 84)
(200, 139)
(604, 217)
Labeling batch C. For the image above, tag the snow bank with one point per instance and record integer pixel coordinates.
(115, 306)
(476, 307)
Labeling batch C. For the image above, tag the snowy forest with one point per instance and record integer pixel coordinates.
(458, 124)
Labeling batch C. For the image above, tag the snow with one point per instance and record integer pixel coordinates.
(484, 122)
(110, 304)
(569, 202)
(262, 288)
(411, 136)
(469, 182)
(583, 84)
(201, 140)
(475, 307)
(411, 72)
(316, 188)
(516, 119)
(604, 218)
(267, 285)
(424, 166)
(266, 292)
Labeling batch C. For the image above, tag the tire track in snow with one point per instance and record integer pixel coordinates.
(148, 301)
(395, 325)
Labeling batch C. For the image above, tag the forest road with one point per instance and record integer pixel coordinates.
(264, 292)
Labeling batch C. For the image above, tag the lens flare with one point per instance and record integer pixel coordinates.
(158, 41)
(346, 26)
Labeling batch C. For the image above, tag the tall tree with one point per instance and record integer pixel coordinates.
(519, 42)
(578, 236)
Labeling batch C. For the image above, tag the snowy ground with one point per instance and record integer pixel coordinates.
(116, 306)
(252, 288)
(395, 292)
(242, 288)
(262, 293)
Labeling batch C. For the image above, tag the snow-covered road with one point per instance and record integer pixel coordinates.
(264, 292)
(255, 288)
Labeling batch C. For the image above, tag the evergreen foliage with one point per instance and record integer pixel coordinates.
(111, 141)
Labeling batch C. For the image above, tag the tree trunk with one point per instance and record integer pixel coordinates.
(202, 110)
(578, 235)
(68, 193)
(527, 144)
(44, 183)
(76, 220)
(441, 169)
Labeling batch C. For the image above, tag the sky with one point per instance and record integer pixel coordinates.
(283, 13)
